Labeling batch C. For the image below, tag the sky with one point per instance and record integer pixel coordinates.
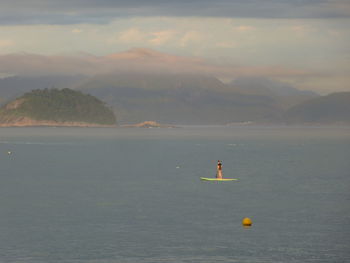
(302, 42)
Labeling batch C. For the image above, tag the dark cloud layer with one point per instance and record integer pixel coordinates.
(103, 11)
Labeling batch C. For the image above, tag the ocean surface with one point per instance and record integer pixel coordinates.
(110, 195)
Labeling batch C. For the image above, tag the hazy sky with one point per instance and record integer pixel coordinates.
(307, 41)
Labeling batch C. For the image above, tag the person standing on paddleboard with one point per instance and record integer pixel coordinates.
(219, 170)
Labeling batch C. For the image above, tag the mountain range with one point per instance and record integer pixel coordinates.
(331, 109)
(171, 96)
(182, 98)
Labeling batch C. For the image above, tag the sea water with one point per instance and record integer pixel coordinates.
(103, 195)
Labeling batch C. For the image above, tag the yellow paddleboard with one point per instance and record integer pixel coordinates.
(218, 179)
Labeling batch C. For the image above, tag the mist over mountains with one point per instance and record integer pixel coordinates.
(135, 60)
(180, 98)
(12, 87)
(330, 109)
(142, 84)
(171, 98)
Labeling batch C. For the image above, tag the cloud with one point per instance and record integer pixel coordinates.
(244, 28)
(158, 38)
(142, 60)
(132, 35)
(134, 60)
(334, 33)
(162, 37)
(190, 37)
(226, 44)
(301, 30)
(6, 43)
(77, 31)
(104, 11)
(32, 64)
(136, 36)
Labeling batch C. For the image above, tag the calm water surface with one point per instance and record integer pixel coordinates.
(134, 195)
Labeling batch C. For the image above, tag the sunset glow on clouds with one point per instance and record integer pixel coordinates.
(310, 37)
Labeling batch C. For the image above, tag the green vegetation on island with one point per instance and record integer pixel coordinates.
(58, 106)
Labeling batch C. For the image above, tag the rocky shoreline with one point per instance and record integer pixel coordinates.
(28, 122)
(148, 124)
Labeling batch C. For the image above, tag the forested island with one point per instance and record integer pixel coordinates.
(54, 107)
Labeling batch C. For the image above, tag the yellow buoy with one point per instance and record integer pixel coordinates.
(247, 221)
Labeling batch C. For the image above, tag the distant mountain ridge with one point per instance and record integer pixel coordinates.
(178, 99)
(286, 95)
(187, 98)
(265, 85)
(331, 109)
